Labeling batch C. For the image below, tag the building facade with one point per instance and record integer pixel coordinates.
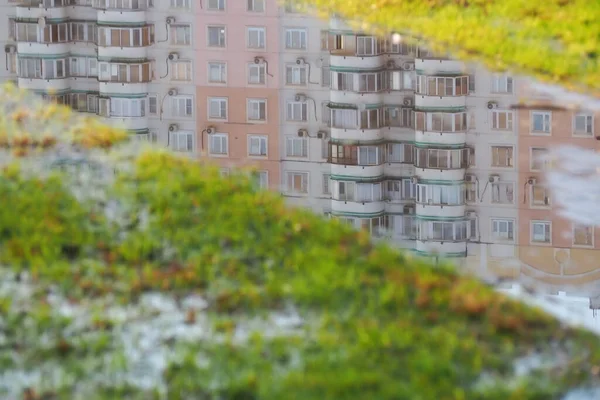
(420, 149)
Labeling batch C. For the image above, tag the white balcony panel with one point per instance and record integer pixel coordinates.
(357, 134)
(436, 210)
(357, 207)
(440, 137)
(359, 171)
(358, 62)
(431, 67)
(422, 101)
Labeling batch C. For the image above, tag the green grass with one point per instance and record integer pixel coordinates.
(78, 287)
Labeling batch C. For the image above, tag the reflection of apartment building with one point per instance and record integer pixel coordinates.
(375, 131)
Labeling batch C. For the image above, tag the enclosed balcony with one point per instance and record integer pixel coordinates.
(440, 199)
(354, 160)
(125, 42)
(124, 76)
(43, 10)
(441, 163)
(362, 196)
(355, 51)
(441, 91)
(446, 128)
(442, 236)
(349, 123)
(36, 73)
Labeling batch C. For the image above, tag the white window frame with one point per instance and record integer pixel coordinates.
(153, 104)
(222, 67)
(510, 157)
(181, 4)
(296, 111)
(221, 44)
(188, 138)
(223, 112)
(216, 5)
(326, 188)
(254, 105)
(251, 6)
(497, 235)
(259, 71)
(260, 33)
(187, 66)
(301, 42)
(182, 106)
(290, 177)
(534, 159)
(218, 144)
(546, 122)
(547, 199)
(296, 75)
(509, 120)
(502, 193)
(588, 121)
(263, 180)
(547, 228)
(296, 147)
(502, 84)
(258, 145)
(183, 38)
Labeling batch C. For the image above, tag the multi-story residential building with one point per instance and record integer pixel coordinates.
(127, 60)
(422, 149)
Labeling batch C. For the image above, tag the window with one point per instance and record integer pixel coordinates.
(502, 83)
(127, 108)
(181, 70)
(184, 4)
(30, 67)
(217, 108)
(402, 226)
(255, 37)
(502, 156)
(263, 179)
(256, 74)
(180, 35)
(257, 145)
(127, 37)
(346, 191)
(296, 182)
(366, 192)
(368, 155)
(297, 111)
(400, 153)
(256, 5)
(367, 46)
(442, 86)
(371, 82)
(583, 124)
(216, 36)
(182, 141)
(344, 118)
(257, 109)
(540, 195)
(218, 144)
(121, 72)
(295, 38)
(400, 117)
(371, 119)
(540, 121)
(502, 120)
(325, 76)
(503, 229)
(152, 104)
(503, 193)
(295, 75)
(538, 159)
(442, 158)
(326, 184)
(296, 146)
(83, 32)
(440, 194)
(442, 230)
(401, 80)
(182, 106)
(541, 232)
(441, 122)
(216, 5)
(217, 72)
(583, 235)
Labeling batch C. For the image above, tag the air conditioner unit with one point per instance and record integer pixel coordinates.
(170, 20)
(173, 127)
(414, 179)
(470, 214)
(492, 104)
(10, 49)
(321, 134)
(210, 130)
(259, 60)
(470, 178)
(42, 22)
(300, 61)
(302, 132)
(173, 56)
(531, 181)
(409, 209)
(391, 64)
(494, 178)
(300, 97)
(408, 66)
(172, 92)
(408, 102)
